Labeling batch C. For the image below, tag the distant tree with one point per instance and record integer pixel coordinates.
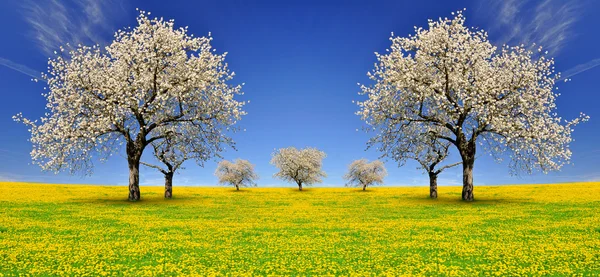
(300, 166)
(240, 173)
(362, 173)
(151, 80)
(449, 81)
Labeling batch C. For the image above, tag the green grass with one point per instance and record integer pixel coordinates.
(550, 230)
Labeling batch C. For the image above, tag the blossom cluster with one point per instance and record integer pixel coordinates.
(364, 173)
(300, 166)
(239, 173)
(152, 82)
(449, 81)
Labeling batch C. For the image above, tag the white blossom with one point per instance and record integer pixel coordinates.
(300, 166)
(449, 81)
(152, 80)
(364, 173)
(240, 173)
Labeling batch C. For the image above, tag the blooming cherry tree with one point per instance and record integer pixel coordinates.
(151, 80)
(239, 173)
(429, 155)
(364, 173)
(175, 149)
(300, 166)
(449, 81)
(426, 149)
(415, 143)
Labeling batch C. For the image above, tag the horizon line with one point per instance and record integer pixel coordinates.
(304, 187)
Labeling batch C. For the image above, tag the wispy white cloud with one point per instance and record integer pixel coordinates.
(55, 23)
(19, 67)
(580, 68)
(548, 23)
(508, 10)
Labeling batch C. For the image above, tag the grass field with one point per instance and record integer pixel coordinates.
(94, 231)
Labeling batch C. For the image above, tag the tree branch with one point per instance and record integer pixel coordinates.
(154, 166)
(446, 167)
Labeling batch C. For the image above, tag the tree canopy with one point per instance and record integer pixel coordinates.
(364, 173)
(239, 173)
(449, 81)
(151, 81)
(302, 167)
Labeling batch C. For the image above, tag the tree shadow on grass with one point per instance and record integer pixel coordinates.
(154, 200)
(239, 191)
(362, 191)
(304, 189)
(477, 201)
(500, 200)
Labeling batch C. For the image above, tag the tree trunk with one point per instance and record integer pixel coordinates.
(467, 192)
(134, 179)
(364, 187)
(433, 185)
(467, 151)
(134, 154)
(468, 160)
(169, 185)
(237, 187)
(299, 186)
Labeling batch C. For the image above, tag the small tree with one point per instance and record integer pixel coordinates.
(150, 80)
(362, 173)
(424, 148)
(435, 154)
(300, 166)
(164, 152)
(240, 173)
(429, 153)
(175, 149)
(449, 81)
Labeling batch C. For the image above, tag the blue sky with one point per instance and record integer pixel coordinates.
(300, 61)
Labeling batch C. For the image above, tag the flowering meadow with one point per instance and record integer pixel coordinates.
(78, 230)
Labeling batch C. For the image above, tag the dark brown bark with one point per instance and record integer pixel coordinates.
(467, 153)
(134, 181)
(134, 154)
(169, 185)
(433, 193)
(237, 187)
(364, 187)
(467, 192)
(299, 186)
